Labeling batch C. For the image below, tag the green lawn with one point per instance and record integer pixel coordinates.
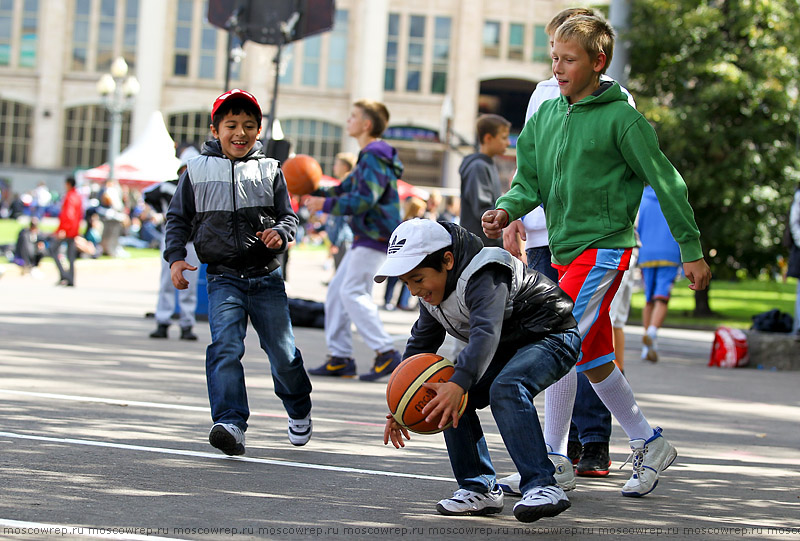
(735, 303)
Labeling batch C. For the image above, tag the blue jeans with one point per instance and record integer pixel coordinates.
(405, 294)
(231, 300)
(513, 379)
(591, 420)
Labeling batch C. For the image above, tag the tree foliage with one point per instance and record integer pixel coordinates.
(719, 80)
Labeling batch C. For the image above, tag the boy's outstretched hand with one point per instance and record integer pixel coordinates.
(511, 239)
(698, 274)
(395, 432)
(493, 222)
(176, 273)
(271, 238)
(443, 406)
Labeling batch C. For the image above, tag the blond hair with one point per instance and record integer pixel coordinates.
(562, 17)
(593, 34)
(377, 113)
(347, 158)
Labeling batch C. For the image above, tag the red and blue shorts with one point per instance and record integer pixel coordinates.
(592, 280)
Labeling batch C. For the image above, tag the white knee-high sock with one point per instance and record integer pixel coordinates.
(617, 395)
(559, 399)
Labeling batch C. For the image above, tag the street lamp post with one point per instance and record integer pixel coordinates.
(118, 90)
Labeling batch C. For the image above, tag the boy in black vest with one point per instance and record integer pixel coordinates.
(521, 337)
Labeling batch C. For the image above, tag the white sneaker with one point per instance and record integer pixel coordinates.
(541, 502)
(565, 473)
(510, 484)
(649, 459)
(300, 430)
(650, 348)
(467, 502)
(228, 438)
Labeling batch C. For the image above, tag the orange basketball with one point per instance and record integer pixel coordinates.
(302, 173)
(406, 396)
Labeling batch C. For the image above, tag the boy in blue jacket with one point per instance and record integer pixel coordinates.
(233, 202)
(521, 337)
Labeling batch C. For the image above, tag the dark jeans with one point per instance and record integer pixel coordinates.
(405, 294)
(591, 420)
(72, 254)
(510, 386)
(231, 302)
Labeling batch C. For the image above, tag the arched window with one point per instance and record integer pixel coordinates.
(317, 138)
(192, 127)
(86, 135)
(16, 121)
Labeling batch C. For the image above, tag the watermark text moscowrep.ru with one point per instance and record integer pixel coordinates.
(394, 531)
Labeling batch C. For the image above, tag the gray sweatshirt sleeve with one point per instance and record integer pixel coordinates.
(486, 296)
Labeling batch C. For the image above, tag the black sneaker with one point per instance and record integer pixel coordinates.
(187, 334)
(574, 450)
(385, 363)
(160, 332)
(595, 461)
(342, 367)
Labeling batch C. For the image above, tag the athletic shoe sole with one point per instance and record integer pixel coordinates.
(597, 472)
(480, 512)
(225, 442)
(525, 513)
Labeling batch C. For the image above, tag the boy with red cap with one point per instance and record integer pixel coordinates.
(233, 203)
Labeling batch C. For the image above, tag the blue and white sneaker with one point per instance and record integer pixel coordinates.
(467, 502)
(565, 473)
(540, 502)
(228, 438)
(300, 430)
(649, 458)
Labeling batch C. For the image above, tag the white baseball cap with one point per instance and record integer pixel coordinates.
(410, 243)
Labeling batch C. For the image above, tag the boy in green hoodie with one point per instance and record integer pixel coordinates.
(586, 158)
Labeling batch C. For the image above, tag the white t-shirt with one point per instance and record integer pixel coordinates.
(534, 221)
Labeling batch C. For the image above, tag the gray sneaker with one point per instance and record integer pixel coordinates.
(228, 438)
(649, 458)
(467, 502)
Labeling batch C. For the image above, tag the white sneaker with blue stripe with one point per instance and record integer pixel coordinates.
(649, 458)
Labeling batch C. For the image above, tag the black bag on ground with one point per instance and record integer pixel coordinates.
(305, 313)
(772, 321)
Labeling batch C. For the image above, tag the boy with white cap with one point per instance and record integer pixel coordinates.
(521, 337)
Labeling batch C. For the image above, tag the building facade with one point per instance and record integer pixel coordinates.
(436, 64)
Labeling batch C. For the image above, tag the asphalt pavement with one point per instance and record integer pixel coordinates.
(104, 435)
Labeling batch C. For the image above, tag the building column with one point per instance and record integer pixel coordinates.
(469, 52)
(48, 121)
(371, 26)
(149, 70)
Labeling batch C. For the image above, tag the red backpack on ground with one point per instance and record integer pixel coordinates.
(730, 348)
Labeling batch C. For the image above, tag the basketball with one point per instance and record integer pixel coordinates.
(302, 173)
(406, 396)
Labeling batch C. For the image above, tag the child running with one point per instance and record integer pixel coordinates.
(586, 158)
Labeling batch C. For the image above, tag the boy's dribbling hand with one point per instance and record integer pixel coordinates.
(270, 238)
(698, 274)
(493, 222)
(176, 273)
(444, 405)
(394, 431)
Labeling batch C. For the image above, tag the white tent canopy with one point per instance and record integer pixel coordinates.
(149, 159)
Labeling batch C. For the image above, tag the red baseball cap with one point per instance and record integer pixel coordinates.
(234, 93)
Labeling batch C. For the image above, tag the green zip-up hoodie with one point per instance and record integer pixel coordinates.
(587, 164)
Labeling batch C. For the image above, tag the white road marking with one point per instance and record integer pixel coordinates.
(40, 528)
(158, 405)
(215, 456)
